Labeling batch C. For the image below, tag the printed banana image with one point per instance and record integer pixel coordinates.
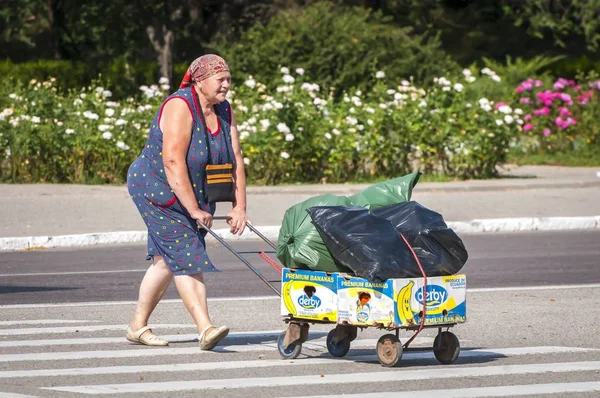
(404, 311)
(287, 298)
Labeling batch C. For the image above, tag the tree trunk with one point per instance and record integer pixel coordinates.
(162, 40)
(53, 30)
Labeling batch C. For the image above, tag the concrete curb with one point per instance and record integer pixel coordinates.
(272, 232)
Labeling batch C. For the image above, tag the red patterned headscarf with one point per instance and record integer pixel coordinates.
(202, 68)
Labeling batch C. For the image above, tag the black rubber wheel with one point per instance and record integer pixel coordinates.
(446, 347)
(341, 348)
(389, 350)
(291, 352)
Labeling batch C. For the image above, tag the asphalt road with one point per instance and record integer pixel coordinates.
(114, 273)
(540, 341)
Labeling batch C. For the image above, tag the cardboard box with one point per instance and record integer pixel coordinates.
(445, 298)
(309, 294)
(365, 303)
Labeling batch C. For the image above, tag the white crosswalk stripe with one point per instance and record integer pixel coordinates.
(106, 364)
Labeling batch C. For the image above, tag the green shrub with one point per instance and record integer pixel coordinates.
(338, 46)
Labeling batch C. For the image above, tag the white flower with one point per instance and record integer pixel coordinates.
(470, 79)
(459, 87)
(265, 123)
(59, 124)
(487, 71)
(486, 107)
(422, 104)
(163, 80)
(508, 119)
(300, 71)
(317, 101)
(109, 112)
(360, 127)
(283, 89)
(106, 94)
(383, 106)
(446, 88)
(35, 119)
(288, 79)
(391, 91)
(300, 129)
(69, 131)
(277, 105)
(496, 78)
(289, 137)
(310, 87)
(466, 72)
(112, 104)
(370, 122)
(505, 109)
(351, 121)
(137, 126)
(468, 105)
(352, 110)
(99, 90)
(283, 128)
(336, 132)
(370, 110)
(107, 136)
(90, 115)
(120, 122)
(328, 136)
(104, 127)
(284, 70)
(165, 87)
(12, 96)
(499, 122)
(380, 74)
(284, 155)
(6, 113)
(246, 161)
(122, 146)
(518, 111)
(405, 83)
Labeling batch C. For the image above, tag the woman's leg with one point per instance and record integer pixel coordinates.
(152, 289)
(192, 290)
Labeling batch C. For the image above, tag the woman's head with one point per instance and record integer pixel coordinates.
(210, 75)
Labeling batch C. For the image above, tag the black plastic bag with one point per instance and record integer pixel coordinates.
(369, 242)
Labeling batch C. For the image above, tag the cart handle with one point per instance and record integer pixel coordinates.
(241, 258)
(249, 225)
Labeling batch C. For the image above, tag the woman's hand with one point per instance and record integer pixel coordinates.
(202, 216)
(237, 220)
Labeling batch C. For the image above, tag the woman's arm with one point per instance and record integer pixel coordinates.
(176, 126)
(238, 213)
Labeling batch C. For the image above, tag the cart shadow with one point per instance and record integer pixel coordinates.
(232, 341)
(482, 357)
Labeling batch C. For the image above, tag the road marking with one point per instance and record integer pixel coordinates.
(520, 288)
(173, 338)
(502, 391)
(209, 366)
(225, 299)
(316, 345)
(375, 377)
(13, 395)
(43, 322)
(83, 328)
(110, 303)
(116, 271)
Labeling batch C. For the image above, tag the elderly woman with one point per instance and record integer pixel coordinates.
(193, 128)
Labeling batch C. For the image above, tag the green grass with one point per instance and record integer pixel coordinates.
(590, 157)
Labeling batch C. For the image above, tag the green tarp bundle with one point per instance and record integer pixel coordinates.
(300, 245)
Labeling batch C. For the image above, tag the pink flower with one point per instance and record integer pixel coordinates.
(547, 132)
(595, 85)
(520, 89)
(528, 127)
(528, 116)
(499, 104)
(524, 100)
(545, 111)
(564, 111)
(561, 123)
(571, 121)
(538, 83)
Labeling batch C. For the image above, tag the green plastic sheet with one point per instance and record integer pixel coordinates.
(299, 244)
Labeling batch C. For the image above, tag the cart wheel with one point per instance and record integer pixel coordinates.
(341, 348)
(446, 347)
(291, 352)
(389, 350)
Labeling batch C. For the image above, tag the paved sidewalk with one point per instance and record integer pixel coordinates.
(530, 191)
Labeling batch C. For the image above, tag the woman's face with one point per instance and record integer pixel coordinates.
(216, 87)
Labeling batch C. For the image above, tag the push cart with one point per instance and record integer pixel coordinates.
(389, 349)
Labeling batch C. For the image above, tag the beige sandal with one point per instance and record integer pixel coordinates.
(208, 341)
(147, 339)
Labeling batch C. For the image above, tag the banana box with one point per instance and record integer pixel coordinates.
(309, 294)
(365, 303)
(445, 299)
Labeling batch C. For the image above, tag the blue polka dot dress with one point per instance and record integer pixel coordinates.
(172, 233)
